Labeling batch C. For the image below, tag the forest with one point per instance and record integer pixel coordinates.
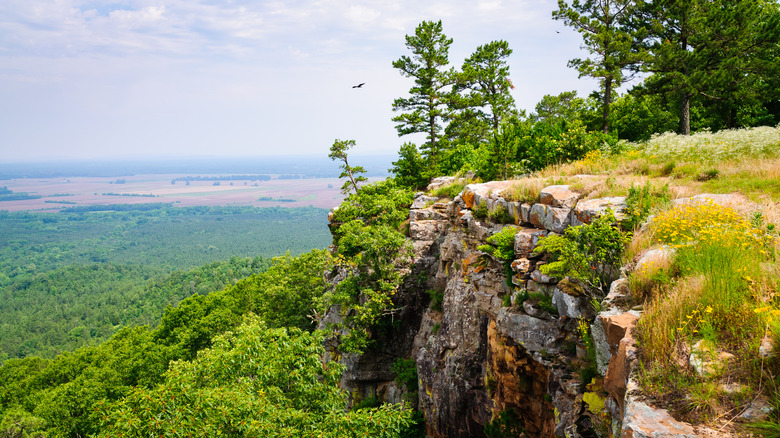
(72, 278)
(239, 350)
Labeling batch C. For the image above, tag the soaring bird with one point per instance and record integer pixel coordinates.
(359, 85)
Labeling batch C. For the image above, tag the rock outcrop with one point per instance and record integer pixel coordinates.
(499, 344)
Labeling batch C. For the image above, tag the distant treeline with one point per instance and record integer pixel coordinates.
(9, 195)
(223, 178)
(137, 195)
(269, 198)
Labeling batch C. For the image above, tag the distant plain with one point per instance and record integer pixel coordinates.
(62, 192)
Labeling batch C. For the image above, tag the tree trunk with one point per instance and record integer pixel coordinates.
(685, 114)
(607, 101)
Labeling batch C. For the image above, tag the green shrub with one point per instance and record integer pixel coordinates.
(405, 373)
(437, 298)
(640, 201)
(502, 244)
(507, 424)
(589, 252)
(480, 210)
(500, 215)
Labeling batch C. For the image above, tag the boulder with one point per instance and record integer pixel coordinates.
(440, 182)
(550, 218)
(616, 379)
(538, 277)
(526, 240)
(558, 196)
(641, 420)
(426, 214)
(521, 266)
(533, 334)
(585, 211)
(422, 201)
(425, 230)
(473, 194)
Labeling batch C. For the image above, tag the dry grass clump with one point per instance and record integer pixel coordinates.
(719, 290)
(526, 189)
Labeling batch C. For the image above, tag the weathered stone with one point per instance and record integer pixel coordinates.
(616, 327)
(514, 210)
(558, 196)
(538, 277)
(550, 218)
(733, 200)
(618, 295)
(536, 312)
(533, 286)
(643, 421)
(422, 201)
(526, 240)
(706, 360)
(525, 213)
(759, 410)
(585, 211)
(426, 214)
(537, 215)
(572, 306)
(533, 334)
(440, 182)
(767, 347)
(572, 287)
(521, 266)
(473, 194)
(425, 230)
(617, 377)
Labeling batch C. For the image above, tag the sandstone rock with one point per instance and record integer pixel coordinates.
(425, 230)
(525, 213)
(558, 196)
(440, 182)
(550, 218)
(526, 240)
(618, 295)
(533, 334)
(537, 215)
(473, 194)
(521, 266)
(538, 277)
(654, 258)
(759, 410)
(728, 200)
(533, 286)
(706, 360)
(643, 421)
(422, 201)
(767, 348)
(426, 214)
(585, 211)
(577, 307)
(616, 380)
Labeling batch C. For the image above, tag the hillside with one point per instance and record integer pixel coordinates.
(477, 305)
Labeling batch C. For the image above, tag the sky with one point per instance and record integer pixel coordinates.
(91, 79)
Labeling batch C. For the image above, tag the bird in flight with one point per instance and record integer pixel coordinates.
(359, 85)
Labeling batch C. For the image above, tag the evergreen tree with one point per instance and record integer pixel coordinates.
(482, 92)
(602, 26)
(427, 106)
(709, 50)
(339, 152)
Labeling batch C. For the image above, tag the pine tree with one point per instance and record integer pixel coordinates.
(427, 105)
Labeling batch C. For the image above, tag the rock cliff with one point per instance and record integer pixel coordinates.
(507, 348)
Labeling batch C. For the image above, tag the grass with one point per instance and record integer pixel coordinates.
(744, 160)
(719, 288)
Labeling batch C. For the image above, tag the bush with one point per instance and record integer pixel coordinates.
(589, 252)
(640, 201)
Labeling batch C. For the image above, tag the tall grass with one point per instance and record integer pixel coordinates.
(726, 145)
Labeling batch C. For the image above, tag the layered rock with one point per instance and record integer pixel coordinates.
(477, 356)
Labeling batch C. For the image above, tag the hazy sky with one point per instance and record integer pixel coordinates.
(129, 78)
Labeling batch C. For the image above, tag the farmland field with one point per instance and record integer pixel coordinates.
(54, 194)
